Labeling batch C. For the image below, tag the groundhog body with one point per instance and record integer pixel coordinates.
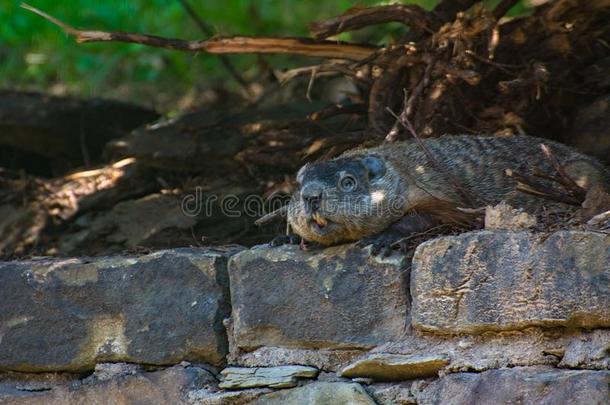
(364, 191)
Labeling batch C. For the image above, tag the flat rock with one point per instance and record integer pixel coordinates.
(326, 359)
(395, 367)
(69, 314)
(322, 393)
(273, 377)
(337, 298)
(521, 385)
(493, 281)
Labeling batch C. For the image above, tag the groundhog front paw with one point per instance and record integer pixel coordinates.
(294, 240)
(285, 240)
(381, 244)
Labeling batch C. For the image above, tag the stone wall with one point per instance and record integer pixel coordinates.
(483, 317)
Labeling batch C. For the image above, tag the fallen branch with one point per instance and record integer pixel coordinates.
(229, 45)
(566, 181)
(573, 194)
(530, 185)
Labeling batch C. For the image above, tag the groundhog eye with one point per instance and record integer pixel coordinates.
(347, 183)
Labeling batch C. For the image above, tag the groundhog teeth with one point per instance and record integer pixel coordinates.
(319, 219)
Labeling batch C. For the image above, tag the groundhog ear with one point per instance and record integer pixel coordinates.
(375, 166)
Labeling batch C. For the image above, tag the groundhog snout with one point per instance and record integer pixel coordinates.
(311, 194)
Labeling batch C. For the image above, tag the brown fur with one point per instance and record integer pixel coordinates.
(411, 183)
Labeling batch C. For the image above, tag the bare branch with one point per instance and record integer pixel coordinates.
(294, 46)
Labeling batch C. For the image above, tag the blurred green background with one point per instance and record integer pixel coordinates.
(36, 55)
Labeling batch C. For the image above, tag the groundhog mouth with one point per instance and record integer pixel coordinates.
(318, 223)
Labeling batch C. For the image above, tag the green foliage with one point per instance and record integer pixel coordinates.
(35, 54)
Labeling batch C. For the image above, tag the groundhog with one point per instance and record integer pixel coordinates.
(396, 188)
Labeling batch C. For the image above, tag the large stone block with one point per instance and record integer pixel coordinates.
(527, 385)
(490, 281)
(157, 309)
(335, 298)
(175, 385)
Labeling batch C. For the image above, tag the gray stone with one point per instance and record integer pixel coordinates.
(590, 350)
(206, 396)
(492, 281)
(503, 216)
(169, 386)
(273, 377)
(16, 383)
(329, 360)
(335, 298)
(395, 367)
(68, 315)
(529, 385)
(319, 393)
(394, 393)
(574, 348)
(108, 371)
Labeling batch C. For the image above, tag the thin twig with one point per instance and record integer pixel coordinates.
(408, 102)
(312, 79)
(500, 66)
(229, 45)
(325, 69)
(205, 28)
(280, 212)
(408, 106)
(503, 8)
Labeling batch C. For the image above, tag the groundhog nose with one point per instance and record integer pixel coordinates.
(311, 194)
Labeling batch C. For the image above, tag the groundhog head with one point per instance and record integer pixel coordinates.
(345, 199)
